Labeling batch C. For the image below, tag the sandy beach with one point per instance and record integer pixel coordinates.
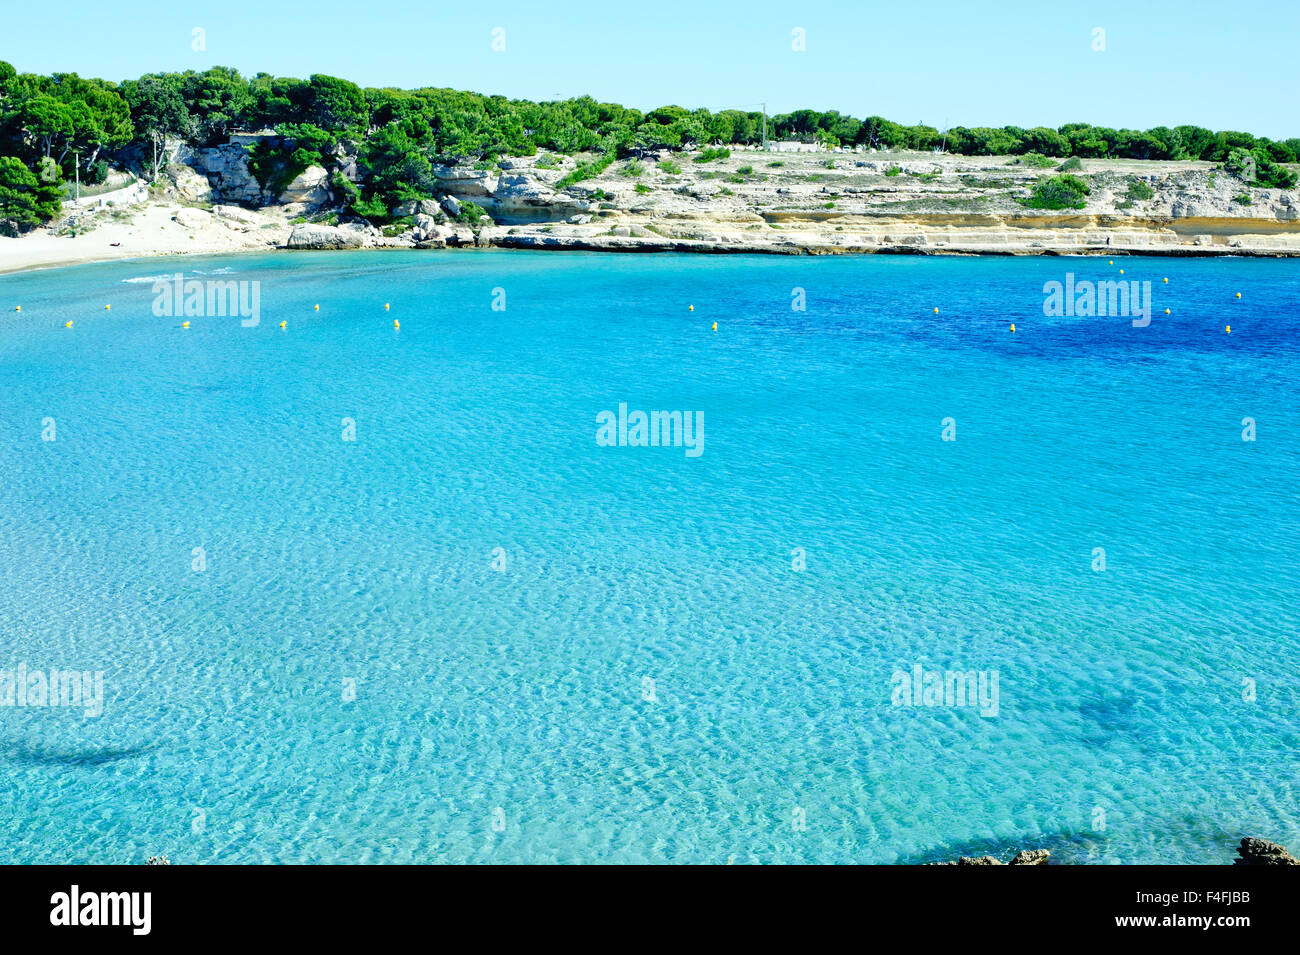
(147, 229)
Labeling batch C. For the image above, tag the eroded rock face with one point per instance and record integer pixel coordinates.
(189, 184)
(466, 182)
(345, 158)
(424, 227)
(421, 207)
(308, 192)
(308, 236)
(1261, 852)
(227, 170)
(523, 196)
(814, 203)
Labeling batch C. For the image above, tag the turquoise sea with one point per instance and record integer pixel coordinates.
(475, 634)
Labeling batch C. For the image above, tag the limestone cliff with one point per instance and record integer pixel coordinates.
(755, 201)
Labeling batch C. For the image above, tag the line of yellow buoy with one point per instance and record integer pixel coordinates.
(397, 324)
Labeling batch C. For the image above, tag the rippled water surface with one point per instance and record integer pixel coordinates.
(648, 678)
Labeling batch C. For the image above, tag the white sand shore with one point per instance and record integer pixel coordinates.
(147, 230)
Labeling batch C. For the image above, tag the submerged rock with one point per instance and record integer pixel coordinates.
(1031, 857)
(1260, 852)
(1023, 857)
(1250, 852)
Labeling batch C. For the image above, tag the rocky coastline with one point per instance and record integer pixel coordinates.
(750, 201)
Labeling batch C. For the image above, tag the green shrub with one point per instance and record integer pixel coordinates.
(670, 167)
(1073, 164)
(96, 173)
(471, 213)
(776, 164)
(1139, 191)
(1257, 168)
(1241, 198)
(274, 168)
(746, 170)
(373, 209)
(586, 170)
(632, 168)
(1058, 192)
(642, 188)
(712, 154)
(548, 161)
(893, 171)
(1037, 160)
(25, 199)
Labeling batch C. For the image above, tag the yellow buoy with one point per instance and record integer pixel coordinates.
(936, 311)
(107, 307)
(1166, 281)
(715, 326)
(1121, 271)
(18, 308)
(690, 308)
(185, 324)
(1166, 311)
(1238, 295)
(67, 324)
(284, 324)
(396, 323)
(318, 308)
(385, 306)
(1013, 326)
(1110, 262)
(1228, 329)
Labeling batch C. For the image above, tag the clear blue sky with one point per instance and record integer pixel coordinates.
(1225, 66)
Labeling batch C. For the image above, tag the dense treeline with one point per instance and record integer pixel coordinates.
(50, 125)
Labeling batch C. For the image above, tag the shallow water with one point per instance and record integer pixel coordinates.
(649, 678)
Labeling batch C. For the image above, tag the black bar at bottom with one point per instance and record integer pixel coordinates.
(941, 904)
